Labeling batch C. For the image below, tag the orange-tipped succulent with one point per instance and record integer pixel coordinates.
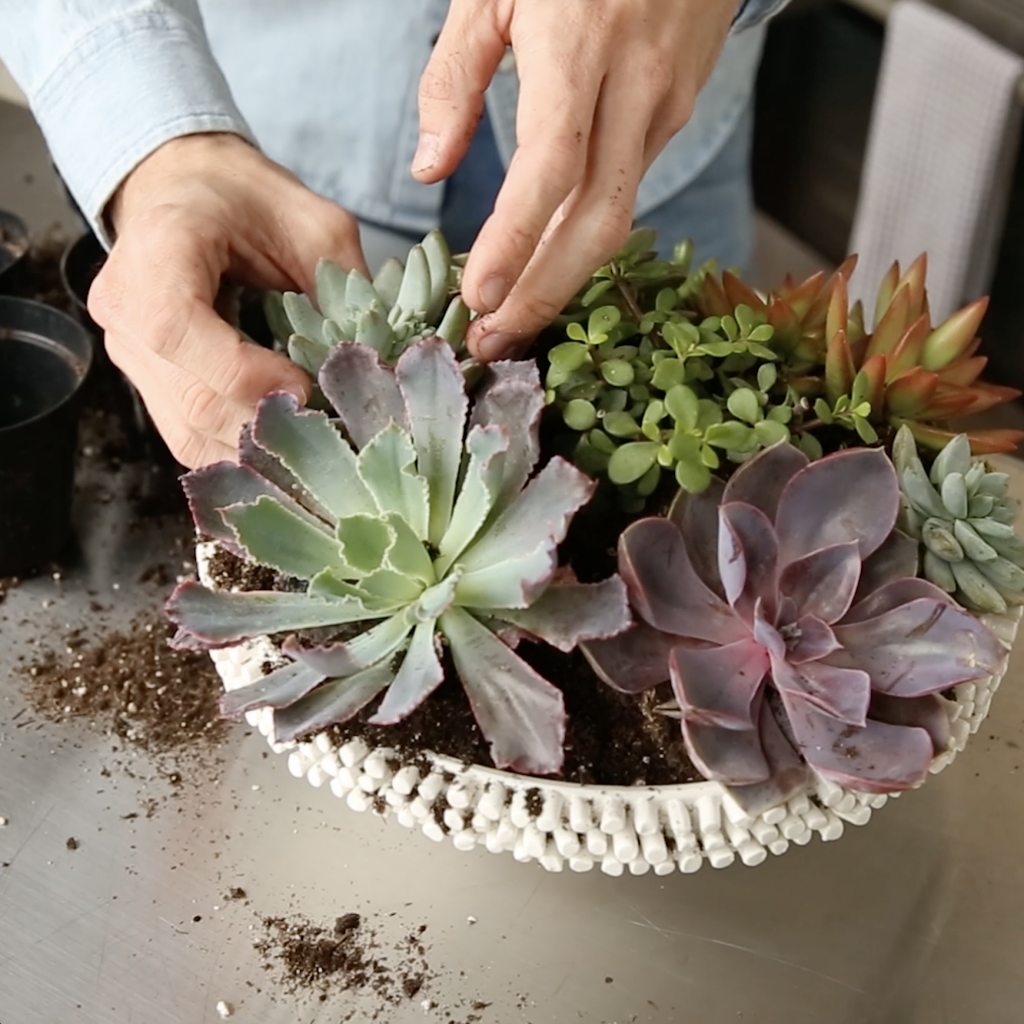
(796, 312)
(913, 373)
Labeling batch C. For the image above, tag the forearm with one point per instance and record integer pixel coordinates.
(110, 81)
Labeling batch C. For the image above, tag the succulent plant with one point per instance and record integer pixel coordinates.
(426, 531)
(912, 372)
(402, 305)
(961, 514)
(650, 387)
(784, 608)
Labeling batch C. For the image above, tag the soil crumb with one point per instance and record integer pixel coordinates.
(132, 685)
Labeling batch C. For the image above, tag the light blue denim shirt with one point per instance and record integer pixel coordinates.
(325, 87)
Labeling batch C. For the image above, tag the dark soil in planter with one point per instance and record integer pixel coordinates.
(612, 739)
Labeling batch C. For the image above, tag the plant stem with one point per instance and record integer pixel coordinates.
(806, 428)
(628, 295)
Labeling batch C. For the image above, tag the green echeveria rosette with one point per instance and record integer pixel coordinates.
(961, 514)
(402, 305)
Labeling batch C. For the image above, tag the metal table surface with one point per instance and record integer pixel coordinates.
(916, 917)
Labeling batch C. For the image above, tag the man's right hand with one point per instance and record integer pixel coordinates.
(198, 209)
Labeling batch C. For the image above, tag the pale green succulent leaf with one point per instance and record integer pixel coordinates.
(313, 450)
(414, 294)
(954, 494)
(331, 703)
(331, 286)
(938, 571)
(276, 317)
(359, 293)
(439, 259)
(481, 484)
(955, 457)
(407, 555)
(976, 588)
(419, 675)
(278, 538)
(330, 583)
(435, 397)
(454, 324)
(995, 484)
(974, 547)
(373, 329)
(388, 282)
(1007, 577)
(387, 585)
(515, 583)
(387, 465)
(304, 318)
(436, 599)
(365, 540)
(308, 354)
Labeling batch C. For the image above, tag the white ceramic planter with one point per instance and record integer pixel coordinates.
(616, 828)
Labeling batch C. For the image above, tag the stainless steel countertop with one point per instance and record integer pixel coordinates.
(917, 917)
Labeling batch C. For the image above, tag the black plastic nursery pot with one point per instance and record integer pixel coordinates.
(45, 357)
(80, 262)
(13, 250)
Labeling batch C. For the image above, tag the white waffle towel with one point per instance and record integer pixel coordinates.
(943, 137)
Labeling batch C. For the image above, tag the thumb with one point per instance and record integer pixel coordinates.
(451, 97)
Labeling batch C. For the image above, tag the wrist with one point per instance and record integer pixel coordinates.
(181, 157)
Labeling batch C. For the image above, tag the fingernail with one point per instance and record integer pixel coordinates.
(296, 392)
(426, 153)
(493, 293)
(499, 346)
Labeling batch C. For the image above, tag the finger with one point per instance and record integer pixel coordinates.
(166, 391)
(451, 95)
(549, 162)
(593, 224)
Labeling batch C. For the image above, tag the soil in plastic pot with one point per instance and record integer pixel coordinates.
(44, 359)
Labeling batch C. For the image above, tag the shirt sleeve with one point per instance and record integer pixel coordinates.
(111, 80)
(753, 12)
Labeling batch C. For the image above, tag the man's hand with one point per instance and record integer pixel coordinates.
(200, 208)
(604, 85)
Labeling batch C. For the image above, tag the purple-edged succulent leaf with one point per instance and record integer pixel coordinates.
(568, 614)
(312, 449)
(539, 517)
(879, 757)
(434, 393)
(331, 703)
(810, 640)
(665, 590)
(511, 397)
(274, 534)
(747, 559)
(849, 496)
(418, 677)
(633, 661)
(789, 773)
(362, 390)
(521, 715)
(761, 481)
(893, 594)
(213, 488)
(920, 647)
(842, 693)
(928, 712)
(696, 515)
(720, 686)
(348, 657)
(823, 583)
(216, 619)
(895, 559)
(733, 756)
(278, 689)
(515, 583)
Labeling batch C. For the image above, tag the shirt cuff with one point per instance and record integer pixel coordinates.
(753, 12)
(127, 87)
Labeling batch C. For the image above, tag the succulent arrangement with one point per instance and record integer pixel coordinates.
(671, 371)
(402, 305)
(425, 533)
(806, 595)
(787, 614)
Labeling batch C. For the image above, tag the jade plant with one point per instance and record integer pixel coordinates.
(668, 371)
(416, 531)
(785, 610)
(961, 514)
(403, 304)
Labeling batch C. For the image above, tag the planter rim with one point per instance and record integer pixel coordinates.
(663, 828)
(83, 360)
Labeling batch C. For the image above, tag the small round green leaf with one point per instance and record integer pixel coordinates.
(631, 461)
(579, 414)
(617, 372)
(768, 432)
(693, 476)
(682, 405)
(731, 435)
(668, 373)
(620, 424)
(743, 404)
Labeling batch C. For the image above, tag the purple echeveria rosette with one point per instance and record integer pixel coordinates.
(785, 609)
